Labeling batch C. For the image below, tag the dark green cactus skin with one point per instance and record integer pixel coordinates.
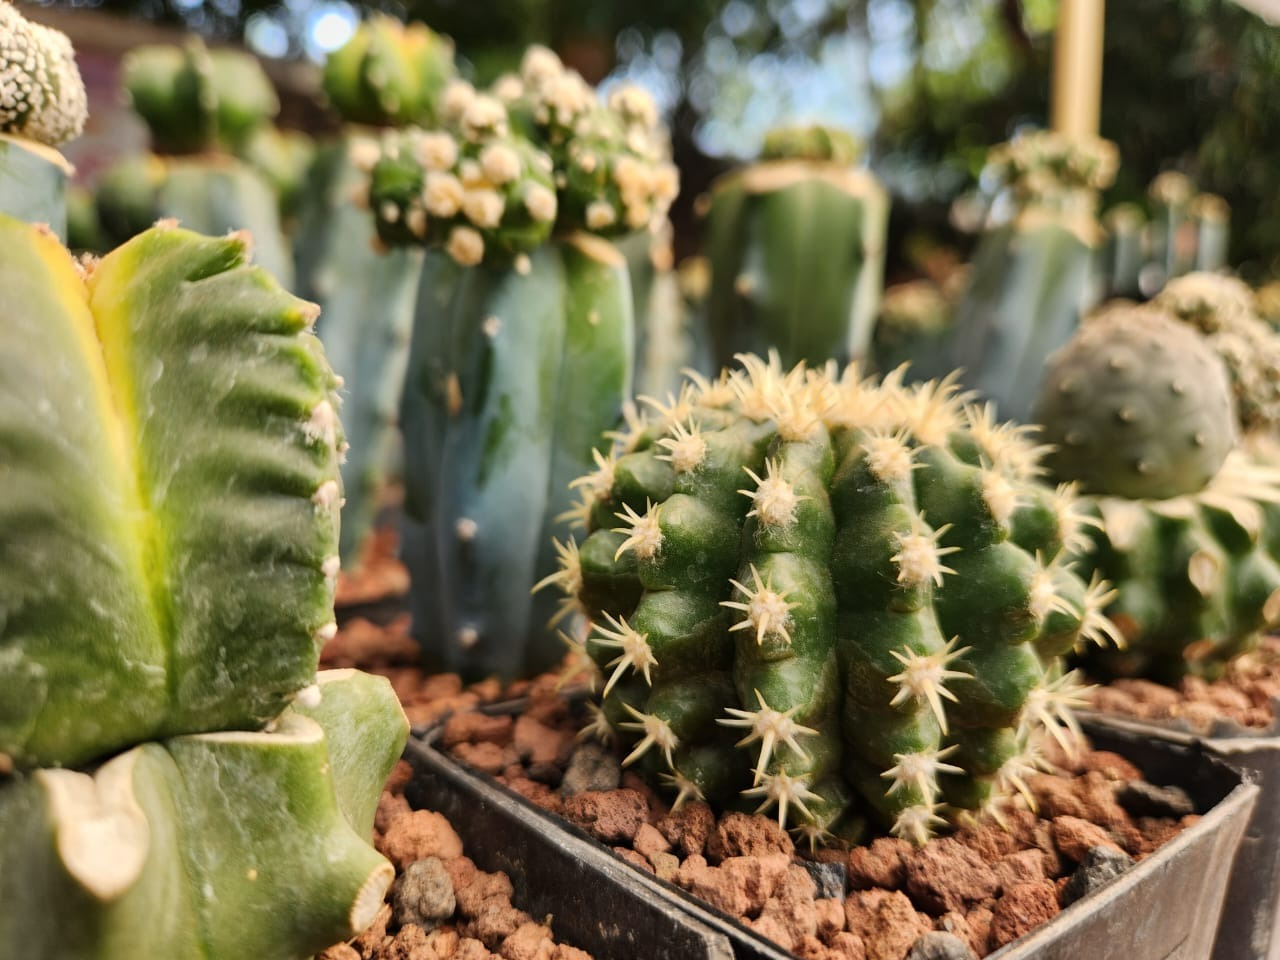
(513, 376)
(872, 572)
(796, 245)
(33, 182)
(168, 541)
(1138, 406)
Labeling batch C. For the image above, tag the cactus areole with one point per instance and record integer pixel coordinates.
(42, 105)
(834, 599)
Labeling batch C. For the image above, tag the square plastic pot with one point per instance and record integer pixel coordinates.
(1164, 908)
(1250, 927)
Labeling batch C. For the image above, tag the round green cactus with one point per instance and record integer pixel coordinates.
(1138, 406)
(816, 142)
(389, 74)
(830, 597)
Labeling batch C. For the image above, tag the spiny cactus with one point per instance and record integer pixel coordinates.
(256, 844)
(1140, 408)
(387, 74)
(523, 338)
(1137, 405)
(200, 106)
(796, 245)
(42, 105)
(830, 597)
(169, 533)
(1029, 281)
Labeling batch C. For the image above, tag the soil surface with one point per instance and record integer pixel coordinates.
(441, 906)
(1245, 694)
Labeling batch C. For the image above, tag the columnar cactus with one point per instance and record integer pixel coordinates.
(387, 75)
(523, 339)
(1140, 409)
(796, 245)
(42, 105)
(167, 557)
(200, 106)
(1029, 281)
(830, 597)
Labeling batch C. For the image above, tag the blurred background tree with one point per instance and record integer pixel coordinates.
(927, 84)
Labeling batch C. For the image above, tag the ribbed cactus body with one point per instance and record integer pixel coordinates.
(513, 378)
(859, 586)
(796, 246)
(169, 536)
(221, 845)
(33, 183)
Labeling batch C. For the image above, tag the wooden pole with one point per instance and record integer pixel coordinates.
(1077, 68)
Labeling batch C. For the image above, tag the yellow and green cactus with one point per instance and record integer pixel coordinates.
(200, 106)
(1030, 279)
(523, 341)
(796, 245)
(831, 597)
(42, 105)
(1140, 407)
(167, 556)
(169, 536)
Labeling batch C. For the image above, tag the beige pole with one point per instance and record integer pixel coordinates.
(1077, 68)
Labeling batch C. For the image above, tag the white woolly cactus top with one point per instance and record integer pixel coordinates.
(538, 151)
(1045, 163)
(41, 94)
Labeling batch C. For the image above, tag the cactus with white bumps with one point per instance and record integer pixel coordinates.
(1030, 278)
(167, 556)
(1140, 409)
(42, 105)
(796, 246)
(829, 597)
(200, 106)
(523, 341)
(387, 75)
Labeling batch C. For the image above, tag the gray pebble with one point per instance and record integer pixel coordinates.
(423, 894)
(1099, 867)
(591, 767)
(936, 945)
(1142, 799)
(829, 878)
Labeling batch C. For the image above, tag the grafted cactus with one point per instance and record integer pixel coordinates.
(1141, 410)
(523, 339)
(796, 245)
(42, 104)
(168, 538)
(834, 598)
(1029, 282)
(256, 844)
(200, 106)
(387, 75)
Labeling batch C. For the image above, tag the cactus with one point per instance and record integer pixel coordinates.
(256, 844)
(915, 318)
(388, 74)
(1171, 235)
(796, 245)
(837, 598)
(522, 343)
(1137, 405)
(199, 106)
(42, 104)
(168, 538)
(1030, 277)
(283, 158)
(1122, 256)
(1189, 527)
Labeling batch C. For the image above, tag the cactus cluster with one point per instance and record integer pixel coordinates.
(796, 246)
(538, 152)
(42, 104)
(832, 597)
(1140, 408)
(167, 560)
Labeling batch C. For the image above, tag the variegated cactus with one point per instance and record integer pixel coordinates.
(834, 598)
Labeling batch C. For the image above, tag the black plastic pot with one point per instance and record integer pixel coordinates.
(1250, 927)
(1166, 907)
